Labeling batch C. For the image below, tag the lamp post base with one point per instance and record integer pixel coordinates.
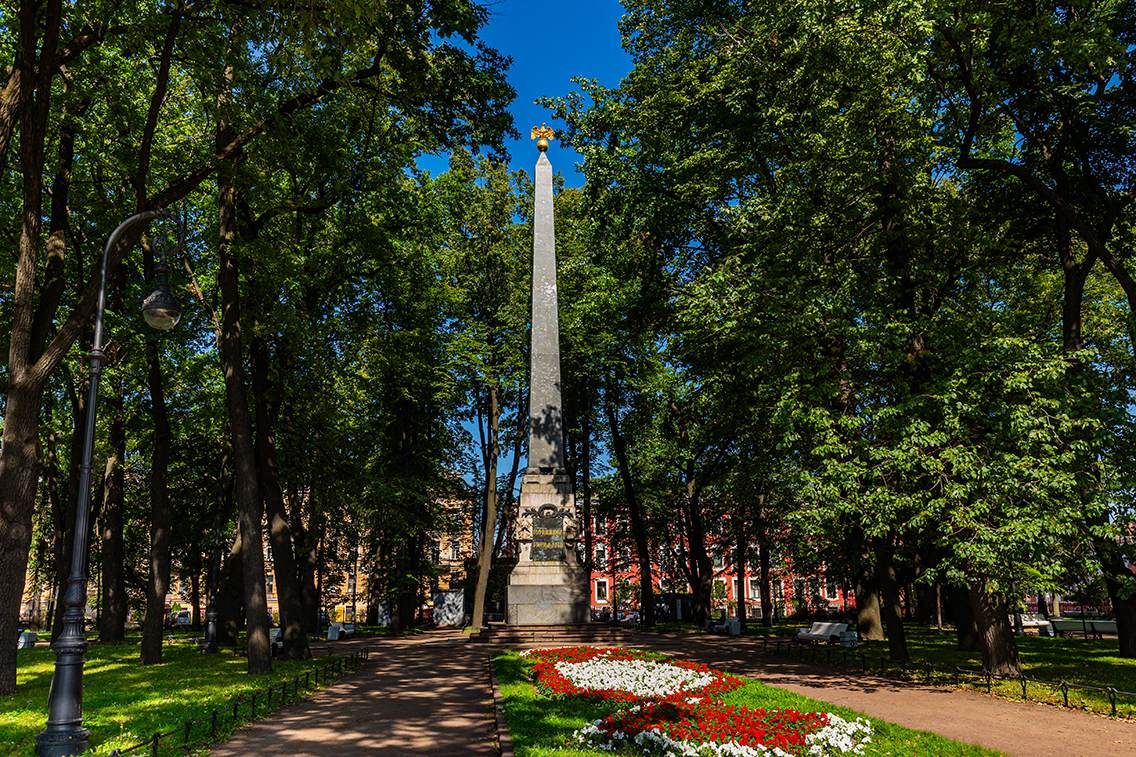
(62, 743)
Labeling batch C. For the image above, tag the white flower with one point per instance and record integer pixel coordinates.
(643, 678)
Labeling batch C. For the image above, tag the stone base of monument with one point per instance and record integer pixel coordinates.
(547, 593)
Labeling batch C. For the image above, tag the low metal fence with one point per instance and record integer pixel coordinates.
(831, 655)
(263, 697)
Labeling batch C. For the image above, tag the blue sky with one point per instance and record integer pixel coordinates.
(551, 44)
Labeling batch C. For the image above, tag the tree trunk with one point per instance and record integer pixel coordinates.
(586, 486)
(19, 465)
(638, 524)
(279, 532)
(740, 570)
(65, 517)
(250, 505)
(195, 600)
(159, 582)
(230, 596)
(766, 588)
(112, 618)
(965, 626)
(307, 547)
(889, 588)
(485, 552)
(868, 623)
(995, 637)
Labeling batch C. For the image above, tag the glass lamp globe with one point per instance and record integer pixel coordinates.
(161, 309)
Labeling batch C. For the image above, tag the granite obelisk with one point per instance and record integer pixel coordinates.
(548, 585)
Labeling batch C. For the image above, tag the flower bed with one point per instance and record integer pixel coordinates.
(674, 707)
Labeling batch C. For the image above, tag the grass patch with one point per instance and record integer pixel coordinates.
(542, 726)
(125, 702)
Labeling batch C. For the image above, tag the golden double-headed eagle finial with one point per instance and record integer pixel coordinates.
(545, 134)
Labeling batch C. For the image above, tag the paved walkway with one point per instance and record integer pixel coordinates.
(430, 695)
(419, 695)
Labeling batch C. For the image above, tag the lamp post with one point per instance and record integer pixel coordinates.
(64, 734)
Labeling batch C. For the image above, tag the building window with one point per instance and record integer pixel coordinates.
(351, 584)
(269, 580)
(601, 591)
(436, 553)
(601, 557)
(719, 562)
(455, 550)
(830, 592)
(753, 591)
(601, 526)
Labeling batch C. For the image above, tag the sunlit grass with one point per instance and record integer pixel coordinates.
(125, 702)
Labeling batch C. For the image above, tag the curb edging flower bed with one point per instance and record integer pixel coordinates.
(504, 739)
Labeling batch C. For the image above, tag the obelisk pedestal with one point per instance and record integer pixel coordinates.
(548, 585)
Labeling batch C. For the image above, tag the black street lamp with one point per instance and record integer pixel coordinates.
(65, 734)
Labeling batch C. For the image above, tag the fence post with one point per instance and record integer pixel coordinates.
(254, 705)
(1065, 692)
(1023, 677)
(989, 681)
(1112, 699)
(213, 727)
(154, 744)
(188, 725)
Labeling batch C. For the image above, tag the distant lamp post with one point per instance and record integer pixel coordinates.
(65, 734)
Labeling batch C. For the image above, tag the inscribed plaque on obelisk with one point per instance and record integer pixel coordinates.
(548, 585)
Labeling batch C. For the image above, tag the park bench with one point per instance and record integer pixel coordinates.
(1034, 620)
(276, 638)
(729, 626)
(27, 640)
(1089, 627)
(835, 633)
(337, 631)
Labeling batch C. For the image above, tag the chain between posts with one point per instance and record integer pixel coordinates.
(791, 648)
(336, 666)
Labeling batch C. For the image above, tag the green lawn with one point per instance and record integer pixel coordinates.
(124, 702)
(1076, 660)
(541, 726)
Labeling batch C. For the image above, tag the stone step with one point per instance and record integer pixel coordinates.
(553, 635)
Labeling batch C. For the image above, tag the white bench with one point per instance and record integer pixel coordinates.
(731, 626)
(835, 633)
(337, 631)
(27, 640)
(1089, 627)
